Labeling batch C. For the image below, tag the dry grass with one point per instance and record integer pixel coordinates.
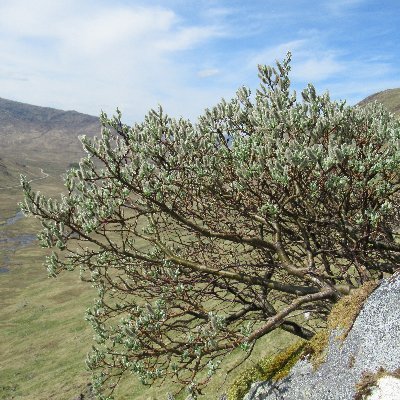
(390, 98)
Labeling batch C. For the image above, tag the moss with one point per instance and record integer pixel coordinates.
(347, 309)
(369, 380)
(270, 368)
(342, 318)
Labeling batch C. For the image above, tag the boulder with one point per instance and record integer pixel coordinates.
(362, 362)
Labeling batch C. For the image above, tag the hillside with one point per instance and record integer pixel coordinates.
(390, 98)
(44, 339)
(33, 137)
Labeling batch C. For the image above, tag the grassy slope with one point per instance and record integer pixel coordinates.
(389, 98)
(33, 137)
(43, 336)
(42, 332)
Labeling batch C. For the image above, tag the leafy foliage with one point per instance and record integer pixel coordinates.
(202, 238)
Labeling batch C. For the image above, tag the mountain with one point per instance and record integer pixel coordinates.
(33, 137)
(390, 98)
(16, 116)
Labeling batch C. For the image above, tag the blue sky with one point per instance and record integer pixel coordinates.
(90, 55)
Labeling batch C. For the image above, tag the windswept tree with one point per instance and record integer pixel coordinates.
(205, 237)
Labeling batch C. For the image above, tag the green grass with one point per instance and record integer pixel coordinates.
(44, 338)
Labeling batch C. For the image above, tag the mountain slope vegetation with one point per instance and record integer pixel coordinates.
(34, 138)
(390, 98)
(43, 336)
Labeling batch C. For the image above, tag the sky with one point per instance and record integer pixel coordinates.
(93, 55)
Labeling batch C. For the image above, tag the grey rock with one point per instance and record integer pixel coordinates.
(372, 342)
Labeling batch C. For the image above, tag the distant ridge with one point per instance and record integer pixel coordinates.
(34, 137)
(390, 98)
(14, 113)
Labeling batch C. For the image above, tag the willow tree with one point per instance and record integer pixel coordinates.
(204, 237)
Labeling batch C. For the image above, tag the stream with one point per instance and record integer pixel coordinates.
(10, 243)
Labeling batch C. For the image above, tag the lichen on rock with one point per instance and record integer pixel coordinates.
(358, 341)
(340, 319)
(371, 384)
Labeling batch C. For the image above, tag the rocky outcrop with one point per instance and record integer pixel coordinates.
(362, 364)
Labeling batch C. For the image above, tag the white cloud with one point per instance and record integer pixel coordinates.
(316, 69)
(218, 12)
(120, 26)
(187, 38)
(21, 18)
(206, 73)
(360, 85)
(338, 7)
(270, 54)
(309, 62)
(91, 55)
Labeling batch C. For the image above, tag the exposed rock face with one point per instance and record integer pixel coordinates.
(371, 344)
